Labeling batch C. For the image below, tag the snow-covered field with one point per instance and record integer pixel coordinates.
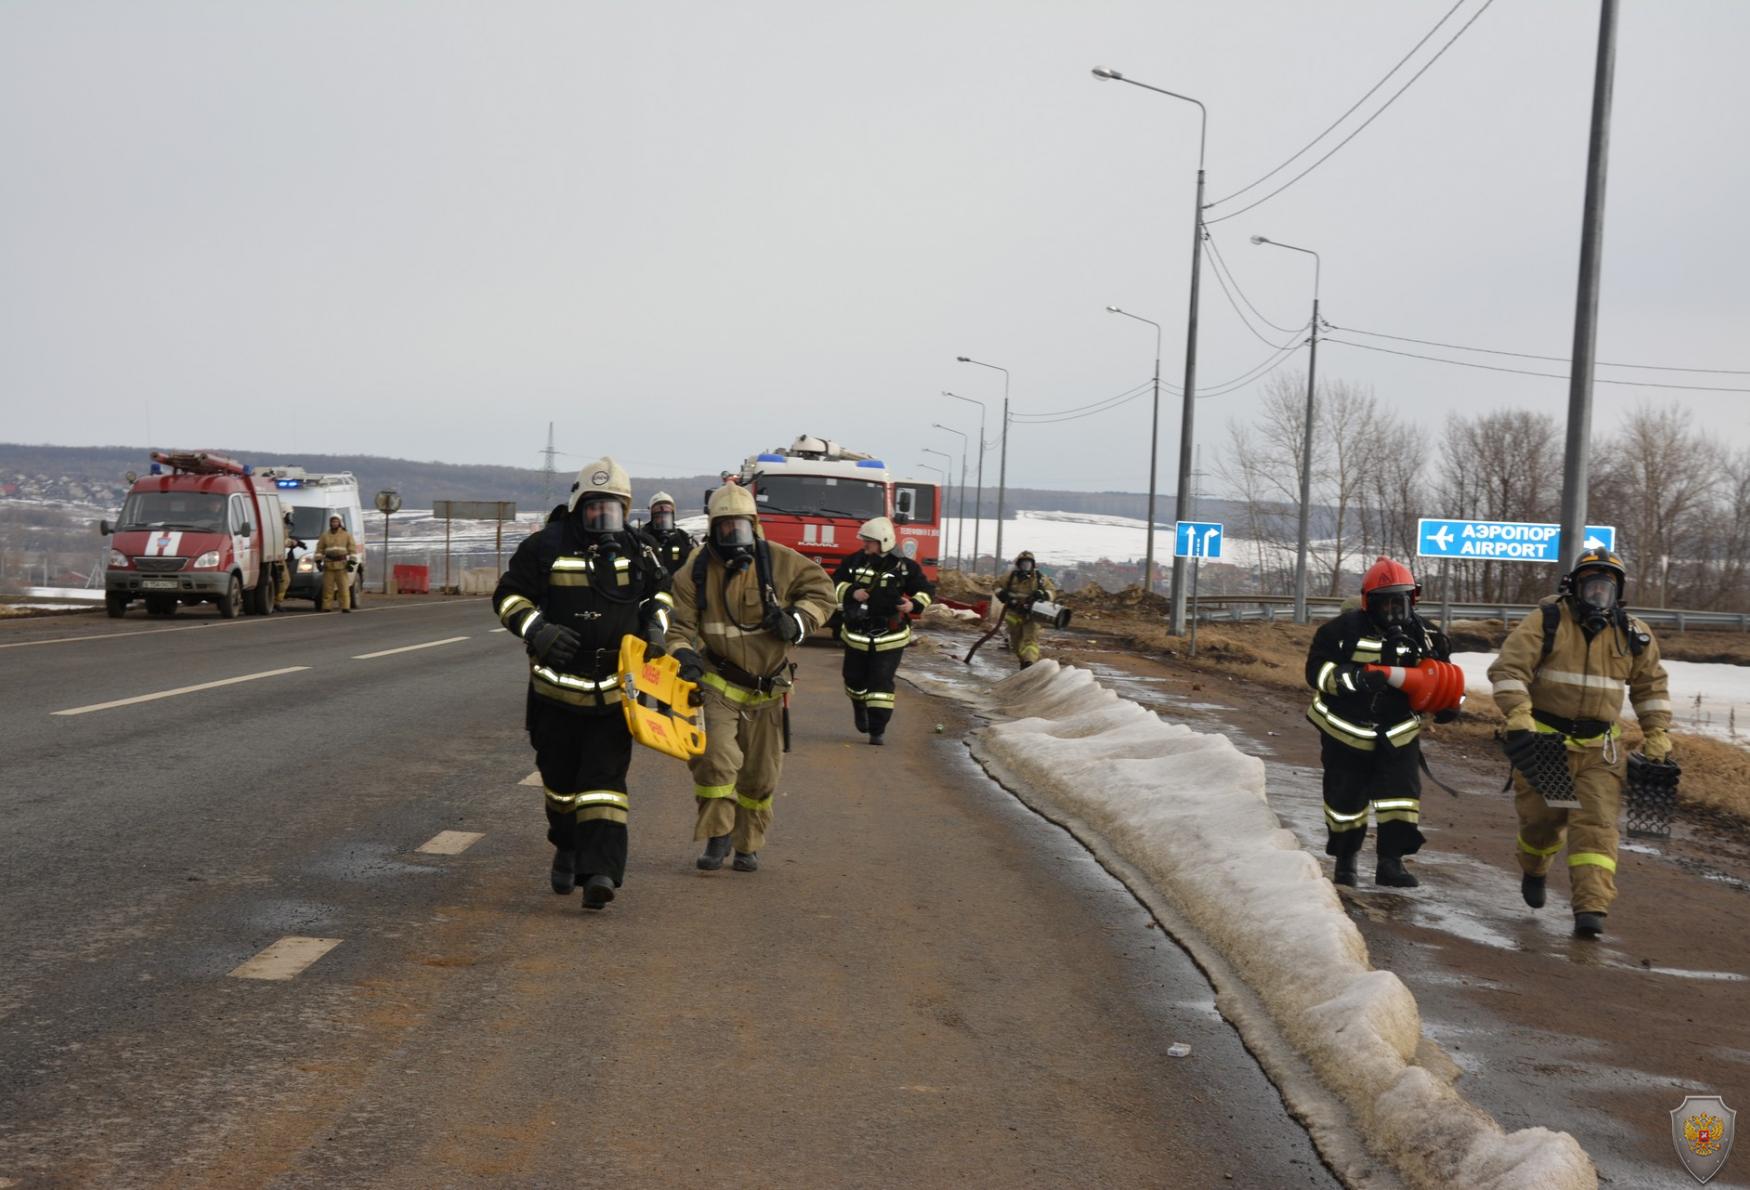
(1065, 538)
(1189, 812)
(1707, 699)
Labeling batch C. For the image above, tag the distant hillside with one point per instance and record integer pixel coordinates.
(95, 473)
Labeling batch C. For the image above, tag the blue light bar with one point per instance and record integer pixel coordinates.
(773, 459)
(875, 464)
(288, 483)
(157, 469)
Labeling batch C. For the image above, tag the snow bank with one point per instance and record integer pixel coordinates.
(1706, 699)
(1189, 812)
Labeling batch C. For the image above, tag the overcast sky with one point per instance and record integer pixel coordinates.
(685, 232)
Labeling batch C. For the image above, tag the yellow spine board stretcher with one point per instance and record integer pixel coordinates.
(662, 712)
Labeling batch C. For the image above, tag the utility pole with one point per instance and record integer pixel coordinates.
(548, 476)
(1576, 462)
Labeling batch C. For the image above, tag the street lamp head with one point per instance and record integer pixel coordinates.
(965, 359)
(1106, 72)
(1259, 240)
(1113, 310)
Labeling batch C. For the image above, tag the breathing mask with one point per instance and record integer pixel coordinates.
(602, 516)
(732, 540)
(1025, 566)
(662, 518)
(1596, 594)
(1389, 608)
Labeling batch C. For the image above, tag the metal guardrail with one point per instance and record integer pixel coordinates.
(1270, 608)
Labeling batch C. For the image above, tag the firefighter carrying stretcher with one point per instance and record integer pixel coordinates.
(878, 590)
(1375, 669)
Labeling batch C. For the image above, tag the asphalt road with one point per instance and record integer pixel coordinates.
(924, 984)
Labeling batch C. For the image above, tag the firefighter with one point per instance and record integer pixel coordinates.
(877, 592)
(1024, 587)
(293, 545)
(1368, 741)
(339, 552)
(740, 606)
(673, 544)
(1562, 672)
(572, 592)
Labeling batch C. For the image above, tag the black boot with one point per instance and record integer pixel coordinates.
(1531, 888)
(716, 851)
(597, 891)
(564, 872)
(860, 713)
(1588, 925)
(1391, 873)
(746, 861)
(876, 737)
(1345, 873)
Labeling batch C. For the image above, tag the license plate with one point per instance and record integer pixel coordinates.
(158, 584)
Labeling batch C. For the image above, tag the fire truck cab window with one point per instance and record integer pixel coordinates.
(812, 495)
(915, 502)
(201, 511)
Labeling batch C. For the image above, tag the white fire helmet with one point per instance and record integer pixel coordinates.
(880, 531)
(602, 477)
(661, 498)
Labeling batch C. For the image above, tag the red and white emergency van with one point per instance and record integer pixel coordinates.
(814, 495)
(200, 528)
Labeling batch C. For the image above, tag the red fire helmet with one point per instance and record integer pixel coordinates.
(1386, 577)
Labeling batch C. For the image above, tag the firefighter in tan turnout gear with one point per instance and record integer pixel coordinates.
(339, 553)
(1560, 680)
(877, 591)
(572, 592)
(739, 607)
(1024, 587)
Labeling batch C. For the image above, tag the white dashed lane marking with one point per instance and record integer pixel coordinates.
(499, 630)
(451, 842)
(286, 958)
(125, 702)
(533, 778)
(430, 644)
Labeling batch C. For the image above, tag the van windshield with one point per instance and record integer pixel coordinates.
(309, 522)
(820, 495)
(202, 512)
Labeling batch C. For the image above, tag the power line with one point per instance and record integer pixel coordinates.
(1363, 126)
(1256, 334)
(1559, 359)
(1090, 408)
(1460, 363)
(1333, 124)
(1209, 239)
(1258, 372)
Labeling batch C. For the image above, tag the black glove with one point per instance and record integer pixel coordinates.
(692, 665)
(785, 623)
(554, 645)
(1519, 747)
(1036, 597)
(1003, 598)
(1371, 680)
(654, 645)
(1446, 716)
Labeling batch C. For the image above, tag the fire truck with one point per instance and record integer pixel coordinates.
(200, 528)
(814, 494)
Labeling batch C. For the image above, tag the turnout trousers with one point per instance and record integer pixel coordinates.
(869, 680)
(336, 585)
(1023, 636)
(736, 776)
(583, 760)
(1387, 780)
(1589, 833)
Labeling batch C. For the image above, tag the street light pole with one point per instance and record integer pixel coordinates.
(960, 518)
(1576, 463)
(978, 501)
(1002, 458)
(1154, 440)
(1306, 449)
(1177, 622)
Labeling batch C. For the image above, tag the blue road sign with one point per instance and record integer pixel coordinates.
(1197, 539)
(1502, 541)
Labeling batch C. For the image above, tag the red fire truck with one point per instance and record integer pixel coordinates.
(199, 529)
(814, 494)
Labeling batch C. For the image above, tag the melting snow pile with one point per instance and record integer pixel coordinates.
(1188, 810)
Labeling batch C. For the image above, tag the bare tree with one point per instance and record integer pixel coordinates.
(1658, 479)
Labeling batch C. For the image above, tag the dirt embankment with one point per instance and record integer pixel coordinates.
(1716, 775)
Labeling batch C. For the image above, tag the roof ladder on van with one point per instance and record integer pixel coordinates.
(199, 462)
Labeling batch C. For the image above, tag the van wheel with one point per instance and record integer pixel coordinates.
(259, 602)
(115, 605)
(160, 605)
(232, 602)
(358, 580)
